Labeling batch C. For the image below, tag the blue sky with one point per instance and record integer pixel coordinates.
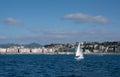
(59, 21)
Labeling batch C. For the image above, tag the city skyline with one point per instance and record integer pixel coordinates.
(64, 21)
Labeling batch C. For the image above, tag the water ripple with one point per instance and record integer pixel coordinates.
(59, 66)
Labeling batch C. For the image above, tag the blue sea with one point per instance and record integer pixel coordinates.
(59, 66)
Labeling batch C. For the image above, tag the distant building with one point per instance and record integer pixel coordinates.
(2, 50)
(24, 50)
(12, 50)
(36, 50)
(87, 51)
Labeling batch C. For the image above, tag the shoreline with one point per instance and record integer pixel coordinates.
(66, 53)
(102, 53)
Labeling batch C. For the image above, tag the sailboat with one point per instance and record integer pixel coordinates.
(79, 53)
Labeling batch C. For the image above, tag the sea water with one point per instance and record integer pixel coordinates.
(59, 66)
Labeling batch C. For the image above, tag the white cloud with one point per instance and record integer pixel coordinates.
(12, 21)
(56, 32)
(61, 36)
(96, 32)
(2, 37)
(69, 32)
(84, 18)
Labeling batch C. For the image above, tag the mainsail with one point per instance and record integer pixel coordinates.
(79, 52)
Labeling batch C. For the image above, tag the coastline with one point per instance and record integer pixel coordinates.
(67, 53)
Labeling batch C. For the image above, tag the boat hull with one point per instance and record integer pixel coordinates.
(79, 58)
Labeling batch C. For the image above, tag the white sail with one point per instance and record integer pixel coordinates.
(79, 52)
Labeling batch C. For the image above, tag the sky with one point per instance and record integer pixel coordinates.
(59, 21)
